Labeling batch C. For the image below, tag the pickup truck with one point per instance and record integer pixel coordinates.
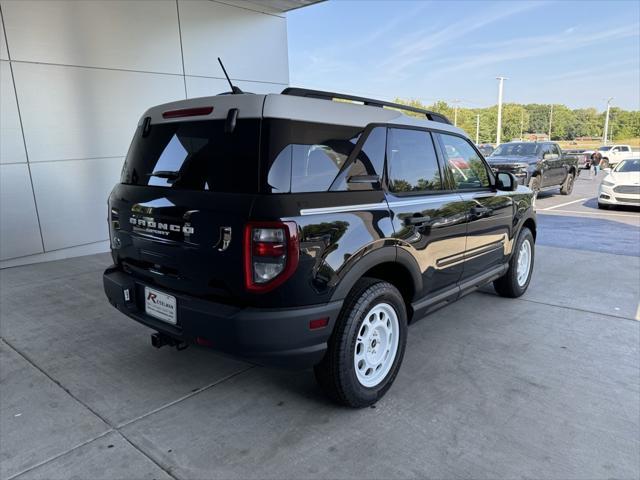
(583, 157)
(614, 154)
(539, 165)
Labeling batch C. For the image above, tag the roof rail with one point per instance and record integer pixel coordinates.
(303, 92)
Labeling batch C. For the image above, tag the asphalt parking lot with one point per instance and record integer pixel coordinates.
(545, 386)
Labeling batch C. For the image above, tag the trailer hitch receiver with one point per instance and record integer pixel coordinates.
(160, 340)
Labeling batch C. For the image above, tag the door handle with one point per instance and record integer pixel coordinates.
(417, 221)
(480, 211)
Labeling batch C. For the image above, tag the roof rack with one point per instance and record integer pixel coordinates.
(303, 92)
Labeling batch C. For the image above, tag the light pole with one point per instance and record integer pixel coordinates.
(499, 127)
(550, 120)
(477, 129)
(455, 112)
(611, 132)
(606, 121)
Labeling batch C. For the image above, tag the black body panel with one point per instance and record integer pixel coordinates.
(185, 262)
(432, 238)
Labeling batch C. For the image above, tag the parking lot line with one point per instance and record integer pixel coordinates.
(563, 204)
(598, 214)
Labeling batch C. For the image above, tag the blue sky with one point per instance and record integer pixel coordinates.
(572, 52)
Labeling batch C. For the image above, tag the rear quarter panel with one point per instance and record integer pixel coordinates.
(335, 234)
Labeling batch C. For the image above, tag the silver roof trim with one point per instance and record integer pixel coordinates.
(291, 107)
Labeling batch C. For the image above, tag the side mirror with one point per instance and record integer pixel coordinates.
(506, 181)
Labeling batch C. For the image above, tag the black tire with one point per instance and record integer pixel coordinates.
(603, 206)
(336, 374)
(567, 187)
(507, 285)
(534, 184)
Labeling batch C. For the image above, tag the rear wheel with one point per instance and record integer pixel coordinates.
(567, 187)
(516, 281)
(367, 346)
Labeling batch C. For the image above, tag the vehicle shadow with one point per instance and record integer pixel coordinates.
(593, 203)
(586, 233)
(547, 194)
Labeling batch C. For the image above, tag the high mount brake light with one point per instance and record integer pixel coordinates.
(187, 112)
(271, 254)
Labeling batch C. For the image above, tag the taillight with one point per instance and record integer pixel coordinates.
(187, 112)
(271, 252)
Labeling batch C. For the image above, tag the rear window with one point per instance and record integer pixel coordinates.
(196, 156)
(305, 157)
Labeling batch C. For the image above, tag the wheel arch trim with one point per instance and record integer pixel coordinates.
(388, 254)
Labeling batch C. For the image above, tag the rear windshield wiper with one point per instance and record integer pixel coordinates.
(171, 175)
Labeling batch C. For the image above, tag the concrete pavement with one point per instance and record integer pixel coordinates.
(545, 386)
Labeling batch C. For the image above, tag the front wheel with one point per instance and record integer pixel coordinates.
(534, 184)
(366, 348)
(567, 187)
(516, 281)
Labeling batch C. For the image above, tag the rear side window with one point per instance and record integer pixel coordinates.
(411, 161)
(368, 161)
(464, 164)
(196, 156)
(305, 157)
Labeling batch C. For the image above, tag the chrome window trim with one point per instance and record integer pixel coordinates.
(343, 208)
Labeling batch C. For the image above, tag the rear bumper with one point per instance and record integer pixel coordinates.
(277, 337)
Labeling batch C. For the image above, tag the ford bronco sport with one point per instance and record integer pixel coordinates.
(297, 231)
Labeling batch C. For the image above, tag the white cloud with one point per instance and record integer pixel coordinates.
(528, 47)
(413, 47)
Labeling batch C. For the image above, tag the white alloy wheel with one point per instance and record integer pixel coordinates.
(524, 263)
(376, 345)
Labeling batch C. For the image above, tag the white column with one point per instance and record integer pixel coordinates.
(499, 127)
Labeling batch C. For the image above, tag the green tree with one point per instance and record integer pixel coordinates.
(518, 120)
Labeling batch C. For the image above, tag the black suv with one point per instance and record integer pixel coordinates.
(297, 231)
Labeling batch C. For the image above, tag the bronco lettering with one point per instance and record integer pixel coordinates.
(151, 224)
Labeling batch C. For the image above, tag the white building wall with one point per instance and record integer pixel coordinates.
(75, 78)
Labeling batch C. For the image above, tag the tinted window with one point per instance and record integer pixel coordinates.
(305, 157)
(465, 165)
(517, 150)
(546, 150)
(411, 161)
(369, 161)
(195, 156)
(555, 150)
(628, 166)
